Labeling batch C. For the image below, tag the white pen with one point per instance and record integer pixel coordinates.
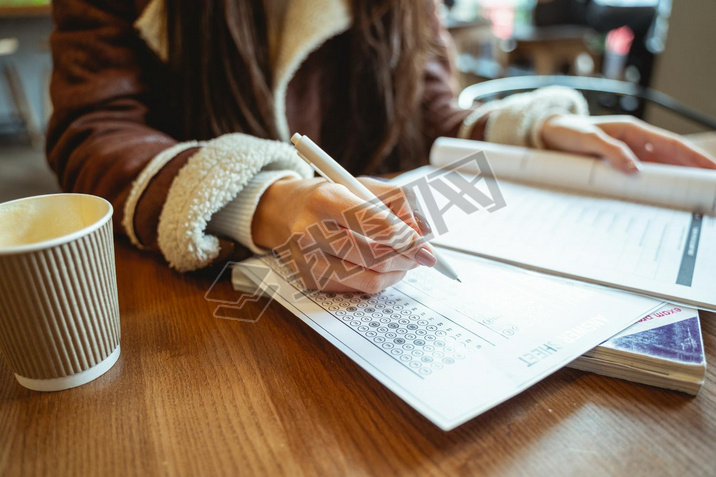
(327, 167)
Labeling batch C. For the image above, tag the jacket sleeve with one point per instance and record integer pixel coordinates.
(99, 138)
(103, 138)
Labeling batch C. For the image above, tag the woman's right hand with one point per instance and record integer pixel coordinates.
(291, 211)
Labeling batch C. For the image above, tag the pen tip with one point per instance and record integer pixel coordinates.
(458, 280)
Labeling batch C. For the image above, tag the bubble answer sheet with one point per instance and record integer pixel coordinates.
(452, 351)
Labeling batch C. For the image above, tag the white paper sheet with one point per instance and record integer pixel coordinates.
(453, 351)
(662, 252)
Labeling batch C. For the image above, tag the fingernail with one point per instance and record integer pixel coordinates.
(425, 257)
(422, 223)
(633, 167)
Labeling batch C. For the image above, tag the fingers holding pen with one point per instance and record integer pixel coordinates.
(335, 241)
(360, 250)
(402, 202)
(355, 206)
(327, 272)
(335, 203)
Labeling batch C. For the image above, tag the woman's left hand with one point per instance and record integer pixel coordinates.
(623, 141)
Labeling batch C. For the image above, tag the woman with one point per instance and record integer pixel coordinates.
(179, 112)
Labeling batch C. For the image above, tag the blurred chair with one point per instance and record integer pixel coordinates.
(27, 120)
(605, 96)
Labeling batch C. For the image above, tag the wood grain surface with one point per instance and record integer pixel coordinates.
(196, 395)
(17, 11)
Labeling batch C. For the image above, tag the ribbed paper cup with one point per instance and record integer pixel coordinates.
(59, 315)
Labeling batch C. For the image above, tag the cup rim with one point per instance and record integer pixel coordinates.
(54, 242)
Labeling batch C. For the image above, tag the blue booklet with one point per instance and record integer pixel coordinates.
(662, 349)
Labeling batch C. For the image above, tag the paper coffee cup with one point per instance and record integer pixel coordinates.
(59, 314)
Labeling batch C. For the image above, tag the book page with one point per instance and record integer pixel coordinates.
(684, 188)
(667, 253)
(453, 351)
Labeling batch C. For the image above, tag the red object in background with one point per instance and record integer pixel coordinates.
(502, 19)
(619, 40)
(616, 50)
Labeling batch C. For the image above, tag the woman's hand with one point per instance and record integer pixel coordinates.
(352, 250)
(623, 141)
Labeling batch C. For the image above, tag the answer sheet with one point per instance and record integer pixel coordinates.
(451, 350)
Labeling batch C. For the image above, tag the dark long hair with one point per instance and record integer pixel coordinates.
(219, 61)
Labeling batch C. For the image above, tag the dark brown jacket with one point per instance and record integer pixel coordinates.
(109, 120)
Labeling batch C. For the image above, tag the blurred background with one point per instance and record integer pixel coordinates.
(654, 59)
(657, 44)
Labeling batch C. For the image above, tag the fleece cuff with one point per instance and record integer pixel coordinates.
(211, 179)
(518, 119)
(143, 180)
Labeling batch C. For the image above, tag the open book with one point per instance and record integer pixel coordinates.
(652, 233)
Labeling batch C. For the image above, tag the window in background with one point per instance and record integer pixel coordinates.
(614, 38)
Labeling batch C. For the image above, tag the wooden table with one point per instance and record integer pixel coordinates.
(196, 395)
(24, 11)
